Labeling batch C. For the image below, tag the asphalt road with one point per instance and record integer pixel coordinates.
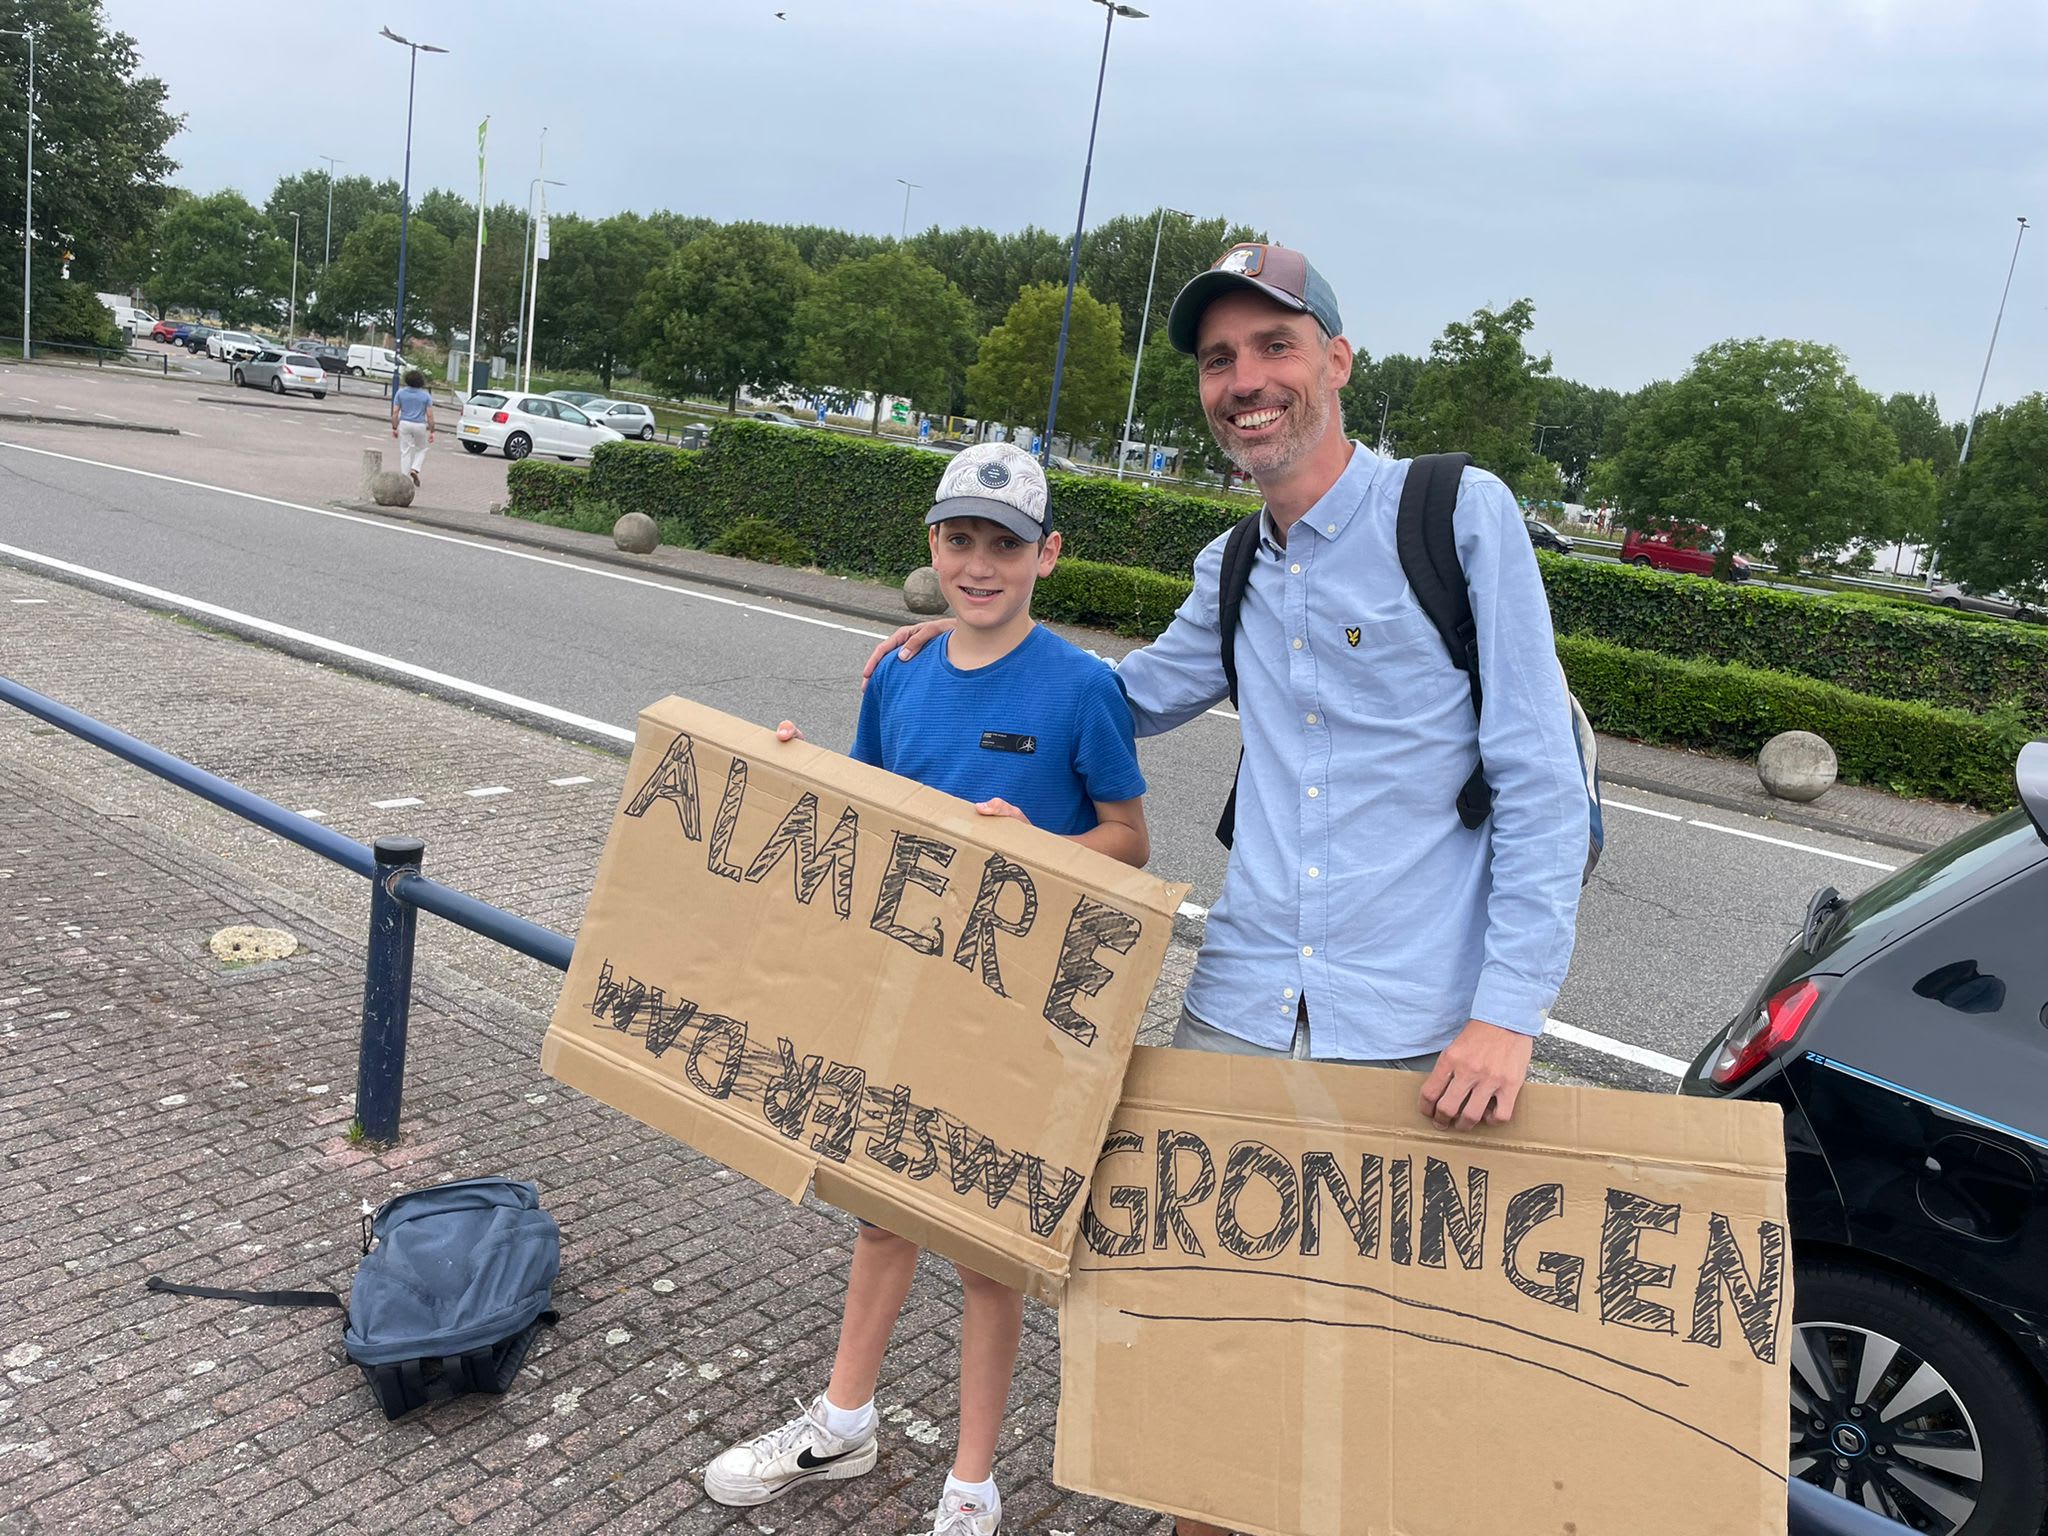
(1684, 913)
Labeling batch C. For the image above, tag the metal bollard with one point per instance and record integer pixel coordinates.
(387, 993)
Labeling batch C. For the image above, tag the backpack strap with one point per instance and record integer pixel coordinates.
(1240, 552)
(259, 1298)
(1426, 540)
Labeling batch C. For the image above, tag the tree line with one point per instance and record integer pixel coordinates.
(1771, 443)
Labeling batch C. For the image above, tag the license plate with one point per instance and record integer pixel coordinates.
(472, 429)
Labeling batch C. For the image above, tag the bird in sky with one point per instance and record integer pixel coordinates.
(782, 15)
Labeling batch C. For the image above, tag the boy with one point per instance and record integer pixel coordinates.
(1012, 717)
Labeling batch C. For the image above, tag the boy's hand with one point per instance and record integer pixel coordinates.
(787, 731)
(906, 642)
(1001, 808)
(1478, 1077)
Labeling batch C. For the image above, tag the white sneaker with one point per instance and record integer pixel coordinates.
(801, 1451)
(958, 1515)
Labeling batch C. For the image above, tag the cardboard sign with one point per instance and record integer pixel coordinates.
(818, 972)
(1299, 1309)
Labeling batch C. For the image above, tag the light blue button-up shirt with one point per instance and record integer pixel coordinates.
(1352, 881)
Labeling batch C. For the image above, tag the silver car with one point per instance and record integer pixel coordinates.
(282, 372)
(1949, 594)
(628, 418)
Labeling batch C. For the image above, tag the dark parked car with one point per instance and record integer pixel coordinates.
(1902, 1033)
(194, 339)
(1543, 536)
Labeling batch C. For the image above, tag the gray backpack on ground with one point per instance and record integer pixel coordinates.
(456, 1280)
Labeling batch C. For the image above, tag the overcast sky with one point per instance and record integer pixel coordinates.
(1655, 178)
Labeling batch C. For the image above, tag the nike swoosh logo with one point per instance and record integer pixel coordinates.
(809, 1463)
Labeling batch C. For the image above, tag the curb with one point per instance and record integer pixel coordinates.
(33, 419)
(312, 409)
(542, 536)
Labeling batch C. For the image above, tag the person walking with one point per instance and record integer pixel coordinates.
(412, 422)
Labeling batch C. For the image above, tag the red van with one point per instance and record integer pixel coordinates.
(1690, 550)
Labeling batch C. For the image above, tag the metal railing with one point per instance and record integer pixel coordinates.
(399, 892)
(133, 357)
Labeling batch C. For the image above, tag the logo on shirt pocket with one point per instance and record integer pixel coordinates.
(1352, 633)
(1008, 741)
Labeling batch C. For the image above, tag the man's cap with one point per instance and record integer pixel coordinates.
(1282, 275)
(998, 481)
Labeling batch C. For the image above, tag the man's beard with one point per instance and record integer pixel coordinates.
(1302, 428)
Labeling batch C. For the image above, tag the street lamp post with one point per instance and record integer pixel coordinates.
(1111, 10)
(291, 323)
(1386, 402)
(327, 242)
(28, 187)
(525, 347)
(1964, 457)
(405, 188)
(908, 188)
(1144, 317)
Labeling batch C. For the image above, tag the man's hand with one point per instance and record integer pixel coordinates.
(787, 731)
(1478, 1076)
(1000, 807)
(907, 642)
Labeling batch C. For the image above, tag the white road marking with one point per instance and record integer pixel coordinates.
(486, 793)
(59, 405)
(1641, 810)
(1780, 842)
(103, 416)
(30, 399)
(321, 642)
(313, 815)
(574, 778)
(1608, 1046)
(1199, 914)
(28, 601)
(384, 525)
(392, 805)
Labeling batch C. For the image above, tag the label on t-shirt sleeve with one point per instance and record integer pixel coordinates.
(1008, 741)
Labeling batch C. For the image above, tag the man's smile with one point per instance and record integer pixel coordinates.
(1253, 420)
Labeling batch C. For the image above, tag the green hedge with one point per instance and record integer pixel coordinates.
(650, 478)
(1112, 597)
(1911, 749)
(544, 492)
(1886, 650)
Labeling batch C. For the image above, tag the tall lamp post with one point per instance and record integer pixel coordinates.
(908, 188)
(291, 322)
(405, 188)
(1111, 10)
(525, 321)
(1144, 318)
(28, 184)
(327, 241)
(1549, 426)
(1964, 457)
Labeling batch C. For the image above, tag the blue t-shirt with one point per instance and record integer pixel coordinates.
(1045, 728)
(412, 403)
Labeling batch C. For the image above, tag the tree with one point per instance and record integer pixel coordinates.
(1011, 378)
(595, 272)
(71, 312)
(101, 129)
(992, 269)
(363, 284)
(1575, 428)
(1478, 394)
(1116, 261)
(1916, 422)
(218, 254)
(716, 317)
(1771, 442)
(498, 298)
(1384, 384)
(885, 323)
(1994, 509)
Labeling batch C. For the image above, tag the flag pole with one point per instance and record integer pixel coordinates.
(476, 286)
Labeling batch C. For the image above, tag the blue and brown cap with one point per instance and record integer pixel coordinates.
(1282, 275)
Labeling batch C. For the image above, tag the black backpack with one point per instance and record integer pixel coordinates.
(1427, 543)
(448, 1299)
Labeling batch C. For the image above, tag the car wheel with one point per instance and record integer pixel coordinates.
(276, 385)
(356, 372)
(1904, 1403)
(518, 446)
(319, 394)
(1641, 560)
(236, 377)
(474, 447)
(1953, 603)
(647, 434)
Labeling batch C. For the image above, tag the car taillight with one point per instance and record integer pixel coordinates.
(1767, 1036)
(500, 417)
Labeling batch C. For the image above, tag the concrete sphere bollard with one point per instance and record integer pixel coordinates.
(922, 593)
(636, 533)
(1796, 765)
(388, 488)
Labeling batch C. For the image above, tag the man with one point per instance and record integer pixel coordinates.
(1360, 921)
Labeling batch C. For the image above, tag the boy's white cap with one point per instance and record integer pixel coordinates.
(998, 481)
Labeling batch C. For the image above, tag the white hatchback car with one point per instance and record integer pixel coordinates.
(628, 418)
(519, 424)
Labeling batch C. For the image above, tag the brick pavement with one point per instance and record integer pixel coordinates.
(163, 1115)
